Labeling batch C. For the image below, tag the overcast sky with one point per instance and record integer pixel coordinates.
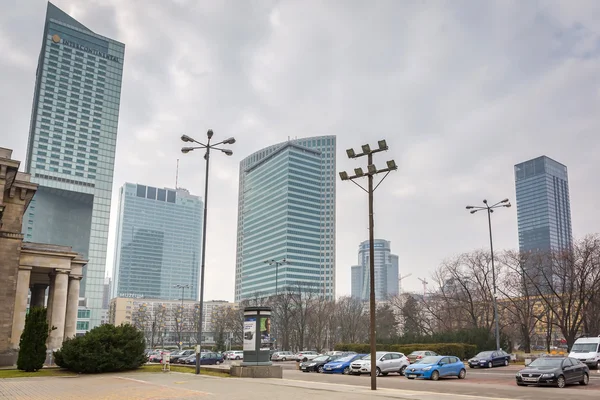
(461, 91)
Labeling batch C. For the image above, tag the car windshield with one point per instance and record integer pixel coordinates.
(428, 360)
(321, 358)
(546, 362)
(416, 353)
(484, 354)
(584, 347)
(346, 358)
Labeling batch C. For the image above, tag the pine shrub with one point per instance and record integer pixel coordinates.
(32, 345)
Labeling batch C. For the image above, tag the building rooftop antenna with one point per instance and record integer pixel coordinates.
(177, 175)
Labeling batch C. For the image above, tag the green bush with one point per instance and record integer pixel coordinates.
(107, 348)
(461, 350)
(32, 345)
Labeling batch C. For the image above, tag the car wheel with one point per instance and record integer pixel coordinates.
(305, 359)
(506, 363)
(284, 359)
(462, 374)
(217, 362)
(377, 372)
(470, 366)
(435, 375)
(585, 380)
(410, 377)
(402, 370)
(237, 358)
(320, 369)
(384, 374)
(346, 371)
(598, 365)
(561, 382)
(490, 365)
(520, 384)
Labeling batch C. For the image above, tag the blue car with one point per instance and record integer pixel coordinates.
(341, 365)
(436, 367)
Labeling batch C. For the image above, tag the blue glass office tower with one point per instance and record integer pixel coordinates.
(286, 210)
(71, 147)
(158, 243)
(386, 272)
(543, 205)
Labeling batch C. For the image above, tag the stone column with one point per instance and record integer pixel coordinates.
(72, 307)
(38, 295)
(59, 309)
(52, 277)
(20, 305)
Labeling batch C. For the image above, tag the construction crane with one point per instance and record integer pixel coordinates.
(400, 280)
(425, 283)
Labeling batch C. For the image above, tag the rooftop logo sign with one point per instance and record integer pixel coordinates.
(57, 39)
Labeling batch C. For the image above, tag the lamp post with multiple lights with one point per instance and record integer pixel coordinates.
(277, 264)
(490, 210)
(208, 147)
(182, 287)
(371, 172)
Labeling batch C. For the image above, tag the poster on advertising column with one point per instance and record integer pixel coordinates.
(249, 332)
(265, 332)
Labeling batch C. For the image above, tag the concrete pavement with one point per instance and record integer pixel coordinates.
(143, 386)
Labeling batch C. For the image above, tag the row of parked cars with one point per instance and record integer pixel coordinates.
(186, 357)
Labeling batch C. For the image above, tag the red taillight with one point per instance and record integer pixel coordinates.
(419, 357)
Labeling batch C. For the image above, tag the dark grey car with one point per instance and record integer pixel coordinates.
(557, 371)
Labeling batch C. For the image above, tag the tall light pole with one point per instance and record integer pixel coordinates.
(277, 264)
(182, 287)
(490, 210)
(371, 172)
(228, 152)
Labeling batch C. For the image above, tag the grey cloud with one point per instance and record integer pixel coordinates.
(461, 90)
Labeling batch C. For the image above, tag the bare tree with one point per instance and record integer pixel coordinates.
(567, 281)
(352, 320)
(519, 302)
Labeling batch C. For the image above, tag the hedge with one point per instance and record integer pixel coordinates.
(460, 350)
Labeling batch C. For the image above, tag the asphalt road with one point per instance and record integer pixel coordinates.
(497, 382)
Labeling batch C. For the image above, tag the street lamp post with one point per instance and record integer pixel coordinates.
(490, 210)
(228, 152)
(182, 287)
(277, 264)
(371, 172)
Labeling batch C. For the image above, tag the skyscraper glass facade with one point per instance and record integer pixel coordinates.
(158, 243)
(386, 272)
(543, 205)
(286, 210)
(71, 147)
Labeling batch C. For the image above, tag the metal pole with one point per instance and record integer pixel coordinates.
(372, 283)
(199, 338)
(497, 328)
(276, 277)
(181, 317)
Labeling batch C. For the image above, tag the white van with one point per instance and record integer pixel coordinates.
(587, 350)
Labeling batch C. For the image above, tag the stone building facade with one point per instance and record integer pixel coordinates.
(29, 269)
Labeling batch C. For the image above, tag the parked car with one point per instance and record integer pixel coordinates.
(587, 350)
(282, 356)
(156, 357)
(558, 371)
(436, 367)
(236, 355)
(181, 354)
(417, 355)
(317, 363)
(305, 355)
(342, 364)
(206, 359)
(386, 362)
(186, 359)
(490, 359)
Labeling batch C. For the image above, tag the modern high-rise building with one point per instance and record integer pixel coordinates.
(158, 243)
(71, 147)
(386, 272)
(543, 205)
(286, 210)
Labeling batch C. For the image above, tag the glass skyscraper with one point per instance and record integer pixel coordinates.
(158, 243)
(543, 205)
(71, 147)
(286, 210)
(386, 272)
